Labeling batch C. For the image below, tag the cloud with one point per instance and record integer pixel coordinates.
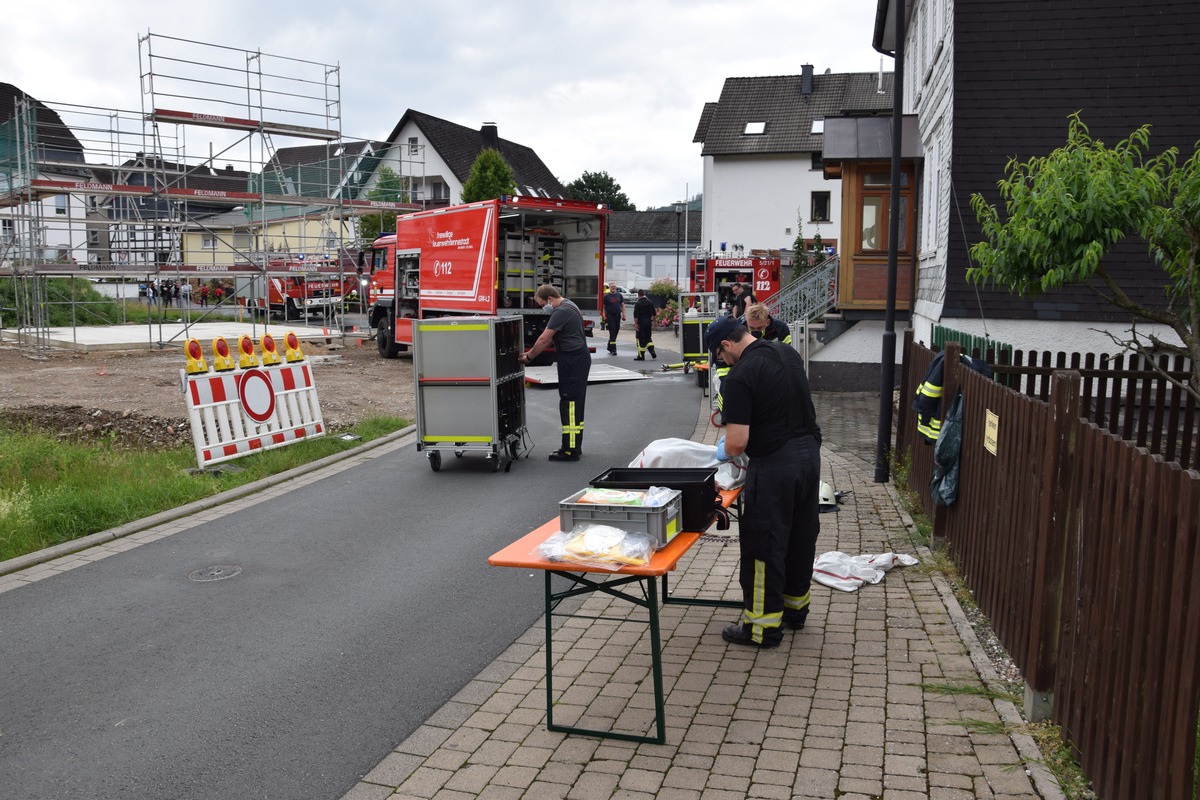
(615, 87)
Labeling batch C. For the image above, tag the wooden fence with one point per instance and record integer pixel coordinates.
(1084, 551)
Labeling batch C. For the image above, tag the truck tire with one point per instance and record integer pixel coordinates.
(383, 339)
(291, 310)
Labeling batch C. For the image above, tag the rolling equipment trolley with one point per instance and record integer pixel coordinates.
(470, 388)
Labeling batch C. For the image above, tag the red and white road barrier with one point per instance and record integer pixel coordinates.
(236, 412)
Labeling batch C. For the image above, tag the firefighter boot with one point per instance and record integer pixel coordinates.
(743, 633)
(653, 354)
(567, 452)
(795, 619)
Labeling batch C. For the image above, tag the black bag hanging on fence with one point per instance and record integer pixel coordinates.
(943, 487)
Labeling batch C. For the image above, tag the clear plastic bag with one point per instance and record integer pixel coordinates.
(601, 546)
(658, 496)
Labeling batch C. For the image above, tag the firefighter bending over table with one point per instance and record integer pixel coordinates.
(769, 416)
(565, 329)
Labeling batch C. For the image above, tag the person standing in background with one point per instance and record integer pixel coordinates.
(643, 324)
(614, 313)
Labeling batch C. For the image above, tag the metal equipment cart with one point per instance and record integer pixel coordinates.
(470, 388)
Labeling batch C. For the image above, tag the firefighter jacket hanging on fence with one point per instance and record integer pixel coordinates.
(928, 401)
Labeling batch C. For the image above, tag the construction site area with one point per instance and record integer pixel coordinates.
(233, 192)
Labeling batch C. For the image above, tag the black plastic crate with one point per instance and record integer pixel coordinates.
(699, 486)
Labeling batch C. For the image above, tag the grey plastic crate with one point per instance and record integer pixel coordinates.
(661, 522)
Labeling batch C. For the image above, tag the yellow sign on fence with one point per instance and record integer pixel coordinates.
(991, 431)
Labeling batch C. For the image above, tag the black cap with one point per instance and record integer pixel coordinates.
(719, 330)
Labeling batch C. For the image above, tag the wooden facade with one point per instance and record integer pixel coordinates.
(866, 220)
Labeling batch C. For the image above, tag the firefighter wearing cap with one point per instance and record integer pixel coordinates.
(643, 325)
(769, 416)
(565, 330)
(763, 326)
(614, 314)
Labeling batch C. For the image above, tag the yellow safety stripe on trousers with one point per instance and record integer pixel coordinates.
(792, 603)
(754, 615)
(930, 390)
(572, 430)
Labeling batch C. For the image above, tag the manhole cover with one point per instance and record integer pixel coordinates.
(218, 573)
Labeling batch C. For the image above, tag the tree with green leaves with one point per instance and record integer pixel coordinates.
(389, 187)
(490, 177)
(599, 187)
(800, 259)
(1064, 212)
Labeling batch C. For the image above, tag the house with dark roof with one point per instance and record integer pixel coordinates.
(989, 82)
(434, 157)
(762, 150)
(645, 246)
(35, 143)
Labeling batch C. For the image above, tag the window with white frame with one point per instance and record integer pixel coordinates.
(60, 204)
(208, 241)
(931, 205)
(413, 147)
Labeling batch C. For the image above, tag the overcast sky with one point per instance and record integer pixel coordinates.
(610, 86)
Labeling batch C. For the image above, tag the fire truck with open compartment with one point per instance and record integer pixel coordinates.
(484, 258)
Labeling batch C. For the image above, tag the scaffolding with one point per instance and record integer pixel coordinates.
(267, 210)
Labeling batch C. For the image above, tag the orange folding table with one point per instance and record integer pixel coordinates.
(524, 554)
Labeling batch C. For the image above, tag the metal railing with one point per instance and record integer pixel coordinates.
(806, 298)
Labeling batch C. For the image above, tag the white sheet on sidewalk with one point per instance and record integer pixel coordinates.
(840, 571)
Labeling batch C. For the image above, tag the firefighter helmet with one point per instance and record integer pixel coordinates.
(826, 499)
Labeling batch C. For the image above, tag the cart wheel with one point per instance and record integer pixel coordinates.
(495, 459)
(458, 453)
(435, 460)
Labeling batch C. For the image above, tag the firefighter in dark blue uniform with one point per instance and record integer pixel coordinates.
(769, 416)
(565, 329)
(763, 326)
(614, 314)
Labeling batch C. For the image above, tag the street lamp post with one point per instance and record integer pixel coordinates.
(678, 282)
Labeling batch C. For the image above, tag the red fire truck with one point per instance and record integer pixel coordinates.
(292, 289)
(717, 274)
(484, 258)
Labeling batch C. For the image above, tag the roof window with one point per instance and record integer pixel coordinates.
(754, 129)
(818, 126)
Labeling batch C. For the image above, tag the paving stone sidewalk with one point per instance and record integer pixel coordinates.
(853, 706)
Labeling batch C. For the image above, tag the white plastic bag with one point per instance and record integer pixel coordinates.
(600, 546)
(847, 573)
(684, 453)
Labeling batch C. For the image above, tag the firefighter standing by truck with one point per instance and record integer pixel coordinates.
(565, 330)
(614, 312)
(769, 416)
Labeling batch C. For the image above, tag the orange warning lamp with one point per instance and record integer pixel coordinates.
(195, 357)
(292, 343)
(246, 357)
(222, 361)
(270, 356)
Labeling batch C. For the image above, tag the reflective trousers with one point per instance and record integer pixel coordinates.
(778, 533)
(573, 368)
(644, 331)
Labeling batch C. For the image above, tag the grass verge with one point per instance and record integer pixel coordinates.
(51, 492)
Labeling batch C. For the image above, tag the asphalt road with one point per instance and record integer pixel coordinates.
(365, 602)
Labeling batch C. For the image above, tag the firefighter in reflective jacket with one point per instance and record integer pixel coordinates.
(928, 401)
(763, 325)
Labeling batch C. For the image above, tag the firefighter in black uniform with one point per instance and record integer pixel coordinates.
(643, 323)
(565, 329)
(769, 416)
(614, 313)
(763, 326)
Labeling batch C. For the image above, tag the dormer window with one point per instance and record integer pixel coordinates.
(754, 129)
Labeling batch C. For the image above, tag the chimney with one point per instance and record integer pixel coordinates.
(490, 136)
(806, 79)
